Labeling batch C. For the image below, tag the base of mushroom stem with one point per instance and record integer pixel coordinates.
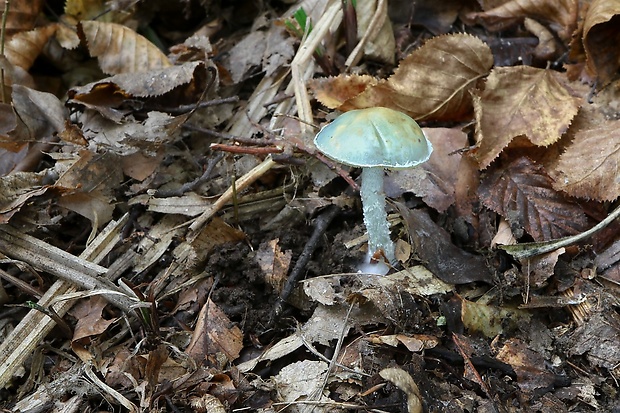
(370, 265)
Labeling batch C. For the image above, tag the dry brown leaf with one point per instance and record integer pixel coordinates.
(72, 134)
(186, 82)
(490, 320)
(433, 82)
(66, 33)
(22, 15)
(120, 49)
(93, 178)
(302, 380)
(521, 101)
(532, 375)
(90, 321)
(434, 181)
(43, 113)
(405, 382)
(540, 268)
(279, 51)
(8, 125)
(140, 165)
(274, 262)
(436, 16)
(590, 166)
(124, 368)
(522, 193)
(334, 91)
(23, 48)
(546, 48)
(381, 43)
(15, 75)
(157, 130)
(16, 189)
(214, 333)
(560, 14)
(216, 233)
(601, 36)
(246, 54)
(433, 246)
(34, 116)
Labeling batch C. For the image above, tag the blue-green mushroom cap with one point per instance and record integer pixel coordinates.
(374, 137)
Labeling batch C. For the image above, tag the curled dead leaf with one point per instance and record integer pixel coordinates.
(405, 382)
(182, 84)
(334, 91)
(560, 14)
(601, 36)
(433, 82)
(372, 15)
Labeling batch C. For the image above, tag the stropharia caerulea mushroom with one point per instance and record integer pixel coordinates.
(374, 139)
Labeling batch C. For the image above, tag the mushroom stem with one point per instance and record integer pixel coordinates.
(375, 216)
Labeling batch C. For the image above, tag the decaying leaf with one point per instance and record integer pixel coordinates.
(120, 49)
(596, 339)
(127, 138)
(334, 91)
(23, 48)
(405, 382)
(381, 43)
(433, 246)
(246, 54)
(21, 16)
(546, 48)
(213, 235)
(16, 189)
(72, 134)
(529, 365)
(490, 320)
(432, 83)
(92, 180)
(434, 181)
(15, 75)
(522, 193)
(214, 334)
(521, 101)
(539, 269)
(601, 36)
(90, 324)
(413, 343)
(302, 380)
(560, 14)
(328, 323)
(274, 262)
(183, 84)
(35, 115)
(590, 166)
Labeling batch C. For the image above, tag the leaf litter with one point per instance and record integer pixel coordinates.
(159, 186)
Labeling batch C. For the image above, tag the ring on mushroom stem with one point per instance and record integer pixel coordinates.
(374, 139)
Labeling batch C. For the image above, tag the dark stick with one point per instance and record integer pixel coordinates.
(320, 226)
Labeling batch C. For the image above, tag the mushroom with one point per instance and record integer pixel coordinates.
(374, 139)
